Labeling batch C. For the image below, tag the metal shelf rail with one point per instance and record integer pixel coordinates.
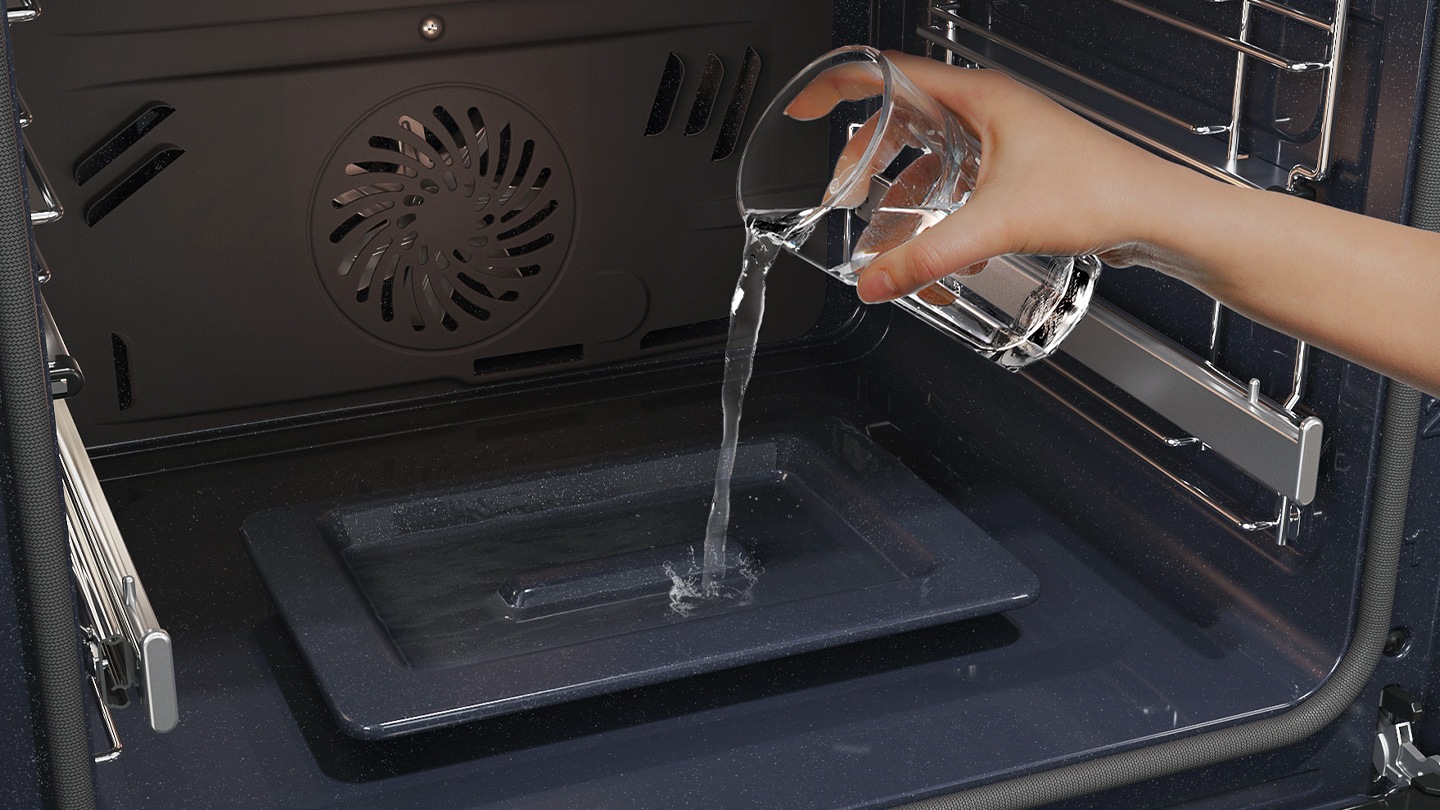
(1272, 442)
(126, 649)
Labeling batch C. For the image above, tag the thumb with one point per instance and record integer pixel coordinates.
(961, 242)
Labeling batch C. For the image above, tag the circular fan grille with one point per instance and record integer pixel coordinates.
(442, 217)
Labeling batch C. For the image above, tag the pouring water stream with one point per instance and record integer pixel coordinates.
(766, 235)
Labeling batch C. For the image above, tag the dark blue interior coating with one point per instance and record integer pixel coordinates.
(1151, 621)
(851, 545)
(1130, 640)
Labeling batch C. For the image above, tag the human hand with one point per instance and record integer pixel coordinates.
(1049, 182)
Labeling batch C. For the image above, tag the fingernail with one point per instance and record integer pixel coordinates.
(876, 286)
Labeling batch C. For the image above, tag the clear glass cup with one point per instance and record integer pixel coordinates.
(906, 163)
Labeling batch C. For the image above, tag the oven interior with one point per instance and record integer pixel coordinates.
(276, 368)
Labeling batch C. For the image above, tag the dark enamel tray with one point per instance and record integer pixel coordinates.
(432, 608)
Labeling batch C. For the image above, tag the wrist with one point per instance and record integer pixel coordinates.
(1180, 220)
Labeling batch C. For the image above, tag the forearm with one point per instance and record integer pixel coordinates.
(1356, 286)
(1051, 183)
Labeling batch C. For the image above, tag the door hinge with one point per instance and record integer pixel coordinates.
(1396, 759)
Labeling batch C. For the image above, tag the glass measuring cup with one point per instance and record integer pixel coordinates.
(907, 162)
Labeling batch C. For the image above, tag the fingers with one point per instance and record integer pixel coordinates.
(959, 88)
(850, 182)
(848, 82)
(849, 185)
(967, 91)
(894, 219)
(961, 242)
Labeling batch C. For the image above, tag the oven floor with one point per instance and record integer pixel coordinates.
(1098, 661)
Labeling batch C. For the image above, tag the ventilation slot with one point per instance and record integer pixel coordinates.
(685, 333)
(384, 167)
(665, 95)
(739, 105)
(112, 199)
(124, 138)
(705, 96)
(121, 351)
(526, 360)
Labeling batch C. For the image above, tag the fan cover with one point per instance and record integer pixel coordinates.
(442, 217)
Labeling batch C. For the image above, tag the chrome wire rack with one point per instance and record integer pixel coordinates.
(22, 10)
(1273, 442)
(1190, 142)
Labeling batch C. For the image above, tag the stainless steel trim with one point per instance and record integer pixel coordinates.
(1237, 95)
(42, 268)
(1217, 332)
(1272, 446)
(111, 573)
(1294, 14)
(1287, 519)
(945, 24)
(1329, 105)
(1268, 441)
(1232, 517)
(1172, 441)
(1297, 376)
(157, 676)
(1221, 39)
(26, 119)
(22, 11)
(64, 375)
(54, 343)
(1185, 156)
(953, 21)
(108, 719)
(49, 208)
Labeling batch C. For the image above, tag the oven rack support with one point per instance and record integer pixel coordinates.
(22, 11)
(1271, 442)
(44, 205)
(129, 649)
(1189, 142)
(1261, 437)
(126, 649)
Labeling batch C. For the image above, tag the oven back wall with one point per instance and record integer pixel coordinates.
(269, 214)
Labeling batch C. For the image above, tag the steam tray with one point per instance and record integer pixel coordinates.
(433, 608)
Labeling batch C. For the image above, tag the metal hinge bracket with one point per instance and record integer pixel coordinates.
(1395, 757)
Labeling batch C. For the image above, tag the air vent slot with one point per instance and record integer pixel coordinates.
(124, 138)
(122, 191)
(526, 360)
(685, 333)
(121, 351)
(739, 105)
(705, 96)
(670, 80)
